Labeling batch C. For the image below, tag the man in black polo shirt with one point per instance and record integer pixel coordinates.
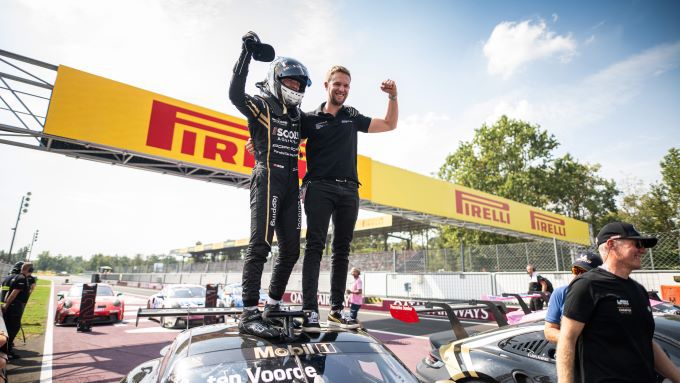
(13, 307)
(607, 326)
(331, 189)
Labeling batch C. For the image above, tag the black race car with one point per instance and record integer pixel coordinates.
(219, 354)
(516, 353)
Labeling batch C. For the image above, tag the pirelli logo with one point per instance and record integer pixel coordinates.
(476, 206)
(547, 223)
(201, 135)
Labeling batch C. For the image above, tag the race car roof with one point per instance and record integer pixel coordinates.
(222, 337)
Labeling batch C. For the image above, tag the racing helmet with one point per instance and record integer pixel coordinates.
(16, 269)
(286, 67)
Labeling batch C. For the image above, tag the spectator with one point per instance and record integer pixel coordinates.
(537, 283)
(584, 262)
(356, 297)
(607, 328)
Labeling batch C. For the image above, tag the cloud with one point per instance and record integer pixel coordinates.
(555, 17)
(512, 45)
(587, 101)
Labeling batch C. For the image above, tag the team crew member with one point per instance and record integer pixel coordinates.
(607, 328)
(7, 281)
(356, 296)
(330, 188)
(537, 284)
(584, 262)
(274, 121)
(13, 308)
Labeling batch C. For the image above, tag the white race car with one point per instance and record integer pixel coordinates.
(180, 296)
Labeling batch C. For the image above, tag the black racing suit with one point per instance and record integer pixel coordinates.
(274, 185)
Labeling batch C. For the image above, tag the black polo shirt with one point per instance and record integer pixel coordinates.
(22, 285)
(332, 143)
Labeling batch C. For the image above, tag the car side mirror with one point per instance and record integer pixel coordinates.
(159, 296)
(60, 295)
(119, 294)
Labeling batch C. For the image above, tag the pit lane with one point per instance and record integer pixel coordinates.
(109, 352)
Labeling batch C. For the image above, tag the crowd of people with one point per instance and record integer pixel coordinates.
(602, 321)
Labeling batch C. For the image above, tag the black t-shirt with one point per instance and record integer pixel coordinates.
(332, 143)
(21, 283)
(616, 342)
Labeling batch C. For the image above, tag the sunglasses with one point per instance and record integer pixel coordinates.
(577, 270)
(638, 243)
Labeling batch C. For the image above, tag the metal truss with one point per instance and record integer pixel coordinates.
(25, 90)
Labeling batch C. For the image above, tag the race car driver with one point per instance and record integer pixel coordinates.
(274, 120)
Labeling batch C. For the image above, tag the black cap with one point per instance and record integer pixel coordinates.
(587, 260)
(623, 230)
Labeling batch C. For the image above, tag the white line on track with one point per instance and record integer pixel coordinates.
(46, 368)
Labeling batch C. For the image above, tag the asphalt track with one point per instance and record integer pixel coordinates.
(109, 352)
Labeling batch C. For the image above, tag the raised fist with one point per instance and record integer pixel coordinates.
(250, 40)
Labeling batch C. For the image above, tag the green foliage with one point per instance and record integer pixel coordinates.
(514, 159)
(657, 210)
(670, 171)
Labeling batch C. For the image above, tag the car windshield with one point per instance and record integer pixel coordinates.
(102, 291)
(320, 362)
(187, 292)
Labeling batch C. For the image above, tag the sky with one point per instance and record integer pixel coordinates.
(601, 76)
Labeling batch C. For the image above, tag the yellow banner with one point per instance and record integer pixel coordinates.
(391, 186)
(94, 109)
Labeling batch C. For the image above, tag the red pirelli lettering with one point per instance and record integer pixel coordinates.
(481, 207)
(547, 223)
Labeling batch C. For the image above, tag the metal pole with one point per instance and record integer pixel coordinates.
(394, 260)
(16, 225)
(526, 251)
(498, 262)
(651, 257)
(557, 265)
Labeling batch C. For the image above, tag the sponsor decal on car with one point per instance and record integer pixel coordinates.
(258, 374)
(302, 349)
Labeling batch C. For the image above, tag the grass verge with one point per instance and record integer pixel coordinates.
(35, 313)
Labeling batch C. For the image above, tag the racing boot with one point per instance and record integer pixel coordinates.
(311, 322)
(342, 319)
(268, 309)
(251, 322)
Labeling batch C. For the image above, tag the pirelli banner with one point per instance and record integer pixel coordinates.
(94, 109)
(391, 186)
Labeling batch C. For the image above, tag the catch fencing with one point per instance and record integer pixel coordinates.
(545, 256)
(472, 285)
